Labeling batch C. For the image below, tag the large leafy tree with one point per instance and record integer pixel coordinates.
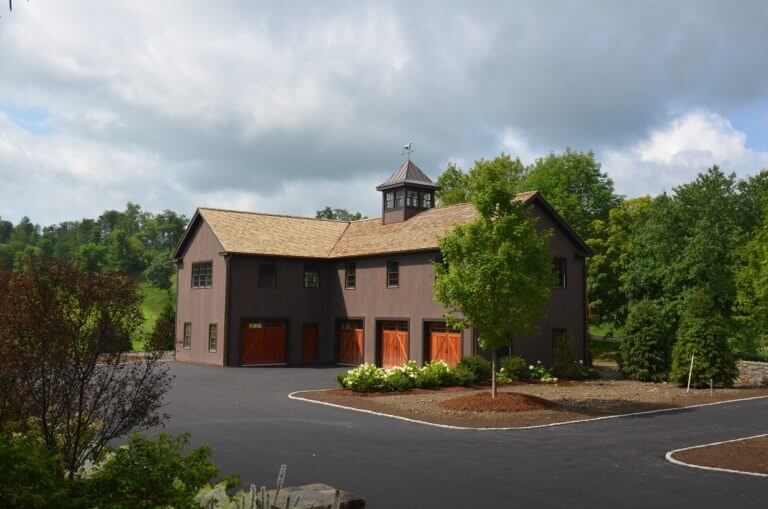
(574, 184)
(338, 214)
(456, 186)
(751, 307)
(497, 271)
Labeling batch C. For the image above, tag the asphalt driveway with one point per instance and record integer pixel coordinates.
(254, 428)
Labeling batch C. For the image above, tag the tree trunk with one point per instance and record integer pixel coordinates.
(493, 373)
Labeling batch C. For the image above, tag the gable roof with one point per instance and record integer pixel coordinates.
(255, 233)
(408, 173)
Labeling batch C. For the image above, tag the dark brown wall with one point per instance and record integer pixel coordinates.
(201, 306)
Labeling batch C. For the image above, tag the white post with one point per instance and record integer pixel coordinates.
(711, 387)
(690, 373)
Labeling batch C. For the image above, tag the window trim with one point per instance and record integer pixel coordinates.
(274, 276)
(563, 282)
(348, 273)
(186, 340)
(213, 327)
(192, 275)
(390, 263)
(304, 276)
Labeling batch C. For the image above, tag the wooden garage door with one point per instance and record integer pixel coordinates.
(263, 343)
(444, 344)
(394, 344)
(351, 341)
(310, 343)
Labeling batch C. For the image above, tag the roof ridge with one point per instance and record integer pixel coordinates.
(274, 215)
(338, 239)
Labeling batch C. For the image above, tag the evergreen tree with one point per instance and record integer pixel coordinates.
(645, 351)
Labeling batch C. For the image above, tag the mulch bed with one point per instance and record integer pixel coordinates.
(570, 401)
(750, 455)
(503, 402)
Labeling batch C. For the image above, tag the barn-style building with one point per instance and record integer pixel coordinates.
(260, 289)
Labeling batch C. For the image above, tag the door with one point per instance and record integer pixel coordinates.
(394, 344)
(310, 343)
(444, 344)
(351, 341)
(263, 343)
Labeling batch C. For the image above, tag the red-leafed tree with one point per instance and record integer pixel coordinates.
(61, 367)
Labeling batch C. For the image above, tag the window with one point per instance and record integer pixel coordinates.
(187, 341)
(398, 198)
(411, 198)
(393, 274)
(558, 272)
(311, 275)
(426, 199)
(350, 276)
(389, 200)
(267, 275)
(212, 337)
(202, 274)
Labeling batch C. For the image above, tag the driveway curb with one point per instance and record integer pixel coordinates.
(669, 457)
(294, 396)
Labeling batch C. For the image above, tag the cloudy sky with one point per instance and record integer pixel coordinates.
(287, 107)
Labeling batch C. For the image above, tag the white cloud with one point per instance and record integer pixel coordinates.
(675, 152)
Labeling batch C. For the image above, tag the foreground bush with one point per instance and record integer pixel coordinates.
(435, 374)
(645, 351)
(515, 368)
(566, 361)
(703, 332)
(477, 367)
(401, 378)
(539, 372)
(364, 378)
(29, 476)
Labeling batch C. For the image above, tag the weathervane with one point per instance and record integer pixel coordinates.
(407, 149)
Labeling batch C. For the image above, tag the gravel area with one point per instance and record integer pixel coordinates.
(749, 455)
(574, 400)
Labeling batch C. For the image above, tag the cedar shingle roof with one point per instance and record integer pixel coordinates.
(269, 234)
(408, 173)
(303, 237)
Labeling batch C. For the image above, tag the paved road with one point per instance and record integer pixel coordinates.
(254, 428)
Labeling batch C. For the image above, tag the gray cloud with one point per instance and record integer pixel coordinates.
(279, 105)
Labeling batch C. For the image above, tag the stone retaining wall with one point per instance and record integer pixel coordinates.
(753, 373)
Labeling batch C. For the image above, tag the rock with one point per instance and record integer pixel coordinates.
(316, 496)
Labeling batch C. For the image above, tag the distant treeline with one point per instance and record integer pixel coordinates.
(133, 241)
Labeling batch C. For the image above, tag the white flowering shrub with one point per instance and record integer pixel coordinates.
(364, 378)
(435, 374)
(367, 377)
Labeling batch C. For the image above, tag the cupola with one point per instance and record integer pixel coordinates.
(406, 193)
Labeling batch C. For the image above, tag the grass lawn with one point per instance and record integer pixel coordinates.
(603, 350)
(154, 298)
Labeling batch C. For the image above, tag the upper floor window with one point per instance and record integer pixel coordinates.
(411, 198)
(350, 276)
(558, 271)
(426, 199)
(213, 333)
(389, 199)
(187, 341)
(399, 198)
(393, 274)
(267, 277)
(311, 275)
(202, 274)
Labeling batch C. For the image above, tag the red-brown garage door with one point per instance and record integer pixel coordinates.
(444, 344)
(263, 343)
(394, 344)
(351, 341)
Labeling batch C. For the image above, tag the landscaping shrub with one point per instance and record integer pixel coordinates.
(515, 368)
(566, 362)
(364, 378)
(703, 332)
(478, 366)
(645, 351)
(435, 374)
(539, 372)
(163, 335)
(401, 378)
(756, 357)
(153, 473)
(465, 376)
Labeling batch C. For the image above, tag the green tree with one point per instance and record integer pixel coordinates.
(497, 275)
(751, 307)
(704, 334)
(456, 186)
(125, 253)
(645, 351)
(753, 200)
(163, 336)
(160, 270)
(613, 245)
(6, 229)
(338, 214)
(573, 183)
